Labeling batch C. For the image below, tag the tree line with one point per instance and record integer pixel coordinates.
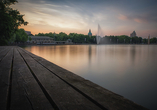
(81, 38)
(76, 38)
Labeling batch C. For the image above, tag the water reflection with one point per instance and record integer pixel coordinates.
(129, 70)
(89, 54)
(133, 52)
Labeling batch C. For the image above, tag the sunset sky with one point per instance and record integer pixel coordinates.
(115, 17)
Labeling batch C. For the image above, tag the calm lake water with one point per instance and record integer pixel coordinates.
(128, 70)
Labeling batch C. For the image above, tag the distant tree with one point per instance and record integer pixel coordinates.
(145, 41)
(115, 39)
(111, 39)
(29, 38)
(63, 36)
(21, 36)
(51, 34)
(140, 39)
(71, 36)
(135, 40)
(92, 39)
(40, 34)
(10, 20)
(153, 40)
(121, 39)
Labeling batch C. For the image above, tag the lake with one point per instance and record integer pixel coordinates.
(128, 70)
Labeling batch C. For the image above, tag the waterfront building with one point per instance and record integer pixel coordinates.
(41, 40)
(133, 34)
(89, 34)
(45, 40)
(28, 32)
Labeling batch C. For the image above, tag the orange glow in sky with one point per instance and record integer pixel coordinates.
(115, 18)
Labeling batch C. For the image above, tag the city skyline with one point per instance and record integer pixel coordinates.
(69, 16)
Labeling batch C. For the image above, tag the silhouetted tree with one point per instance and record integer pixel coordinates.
(10, 20)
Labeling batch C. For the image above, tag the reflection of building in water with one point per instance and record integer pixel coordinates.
(133, 34)
(89, 34)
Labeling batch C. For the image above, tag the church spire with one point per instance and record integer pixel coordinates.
(89, 34)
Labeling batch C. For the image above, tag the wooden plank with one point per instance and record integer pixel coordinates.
(63, 95)
(5, 71)
(2, 48)
(100, 95)
(3, 52)
(26, 94)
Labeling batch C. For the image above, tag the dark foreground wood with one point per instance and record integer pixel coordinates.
(29, 82)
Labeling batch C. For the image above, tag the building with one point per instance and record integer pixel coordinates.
(41, 40)
(133, 34)
(89, 34)
(28, 32)
(45, 40)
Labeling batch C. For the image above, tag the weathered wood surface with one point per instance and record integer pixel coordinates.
(5, 75)
(29, 82)
(3, 52)
(26, 93)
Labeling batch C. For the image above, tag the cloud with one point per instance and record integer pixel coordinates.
(80, 15)
(122, 17)
(56, 15)
(138, 18)
(98, 16)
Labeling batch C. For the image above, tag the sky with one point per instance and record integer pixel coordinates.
(115, 17)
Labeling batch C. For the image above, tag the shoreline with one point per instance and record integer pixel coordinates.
(28, 44)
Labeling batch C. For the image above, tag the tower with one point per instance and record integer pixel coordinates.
(133, 34)
(89, 34)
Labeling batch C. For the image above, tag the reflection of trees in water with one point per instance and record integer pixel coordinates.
(133, 52)
(89, 54)
(73, 50)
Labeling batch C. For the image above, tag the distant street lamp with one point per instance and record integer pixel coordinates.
(117, 40)
(124, 40)
(130, 41)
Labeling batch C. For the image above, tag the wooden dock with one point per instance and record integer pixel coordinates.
(29, 82)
